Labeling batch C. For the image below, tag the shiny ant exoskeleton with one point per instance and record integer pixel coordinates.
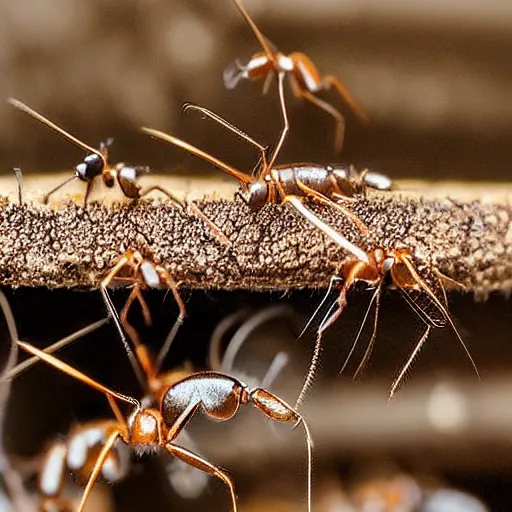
(292, 183)
(96, 164)
(305, 79)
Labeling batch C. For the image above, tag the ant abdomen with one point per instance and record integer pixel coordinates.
(219, 396)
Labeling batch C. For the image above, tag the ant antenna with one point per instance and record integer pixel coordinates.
(240, 176)
(131, 356)
(25, 108)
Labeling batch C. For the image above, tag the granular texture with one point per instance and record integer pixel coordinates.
(273, 249)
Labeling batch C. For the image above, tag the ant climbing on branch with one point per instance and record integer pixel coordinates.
(96, 164)
(399, 264)
(291, 183)
(303, 75)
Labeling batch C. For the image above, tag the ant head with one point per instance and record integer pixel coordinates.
(108, 178)
(256, 194)
(91, 167)
(145, 431)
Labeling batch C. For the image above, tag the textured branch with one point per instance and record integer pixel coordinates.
(69, 246)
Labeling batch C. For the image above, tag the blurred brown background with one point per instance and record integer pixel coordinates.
(433, 75)
(435, 78)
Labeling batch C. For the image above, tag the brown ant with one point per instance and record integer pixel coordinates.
(399, 264)
(145, 274)
(179, 395)
(304, 78)
(291, 183)
(96, 164)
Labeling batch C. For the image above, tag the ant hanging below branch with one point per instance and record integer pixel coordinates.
(303, 75)
(147, 429)
(96, 164)
(419, 294)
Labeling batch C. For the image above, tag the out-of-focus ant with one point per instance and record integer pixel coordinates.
(148, 429)
(144, 274)
(419, 294)
(291, 183)
(305, 79)
(96, 164)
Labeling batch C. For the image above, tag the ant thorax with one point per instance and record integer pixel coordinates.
(91, 167)
(144, 431)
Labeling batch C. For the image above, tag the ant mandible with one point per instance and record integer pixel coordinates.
(304, 77)
(96, 164)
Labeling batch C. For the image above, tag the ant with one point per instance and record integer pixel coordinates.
(399, 265)
(291, 183)
(147, 428)
(144, 274)
(96, 164)
(304, 77)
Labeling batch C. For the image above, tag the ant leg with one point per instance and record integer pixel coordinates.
(171, 284)
(28, 363)
(193, 209)
(319, 197)
(407, 366)
(53, 190)
(297, 203)
(371, 343)
(87, 192)
(141, 350)
(332, 281)
(98, 465)
(201, 463)
(285, 130)
(331, 81)
(278, 410)
(327, 107)
(161, 189)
